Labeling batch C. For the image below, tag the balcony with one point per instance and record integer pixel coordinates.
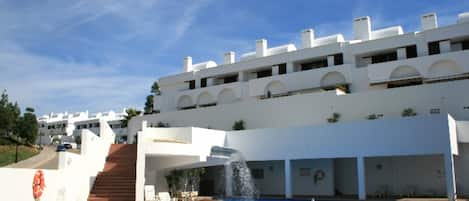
(432, 68)
(321, 78)
(211, 95)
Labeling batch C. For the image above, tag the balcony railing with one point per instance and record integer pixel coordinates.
(450, 65)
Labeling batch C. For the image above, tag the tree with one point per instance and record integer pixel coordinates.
(9, 114)
(148, 109)
(27, 126)
(155, 88)
(130, 113)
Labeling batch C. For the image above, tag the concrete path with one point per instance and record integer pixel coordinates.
(46, 155)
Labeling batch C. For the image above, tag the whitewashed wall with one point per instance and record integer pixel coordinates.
(315, 108)
(74, 178)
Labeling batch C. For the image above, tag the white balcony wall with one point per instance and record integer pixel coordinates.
(413, 136)
(216, 91)
(433, 66)
(315, 108)
(310, 79)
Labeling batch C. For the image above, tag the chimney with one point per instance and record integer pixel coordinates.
(187, 64)
(229, 57)
(261, 48)
(307, 38)
(362, 28)
(428, 21)
(463, 17)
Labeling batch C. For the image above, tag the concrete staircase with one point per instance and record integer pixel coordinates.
(117, 180)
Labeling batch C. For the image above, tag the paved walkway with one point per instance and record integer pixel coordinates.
(46, 155)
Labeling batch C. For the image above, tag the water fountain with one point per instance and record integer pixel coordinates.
(237, 173)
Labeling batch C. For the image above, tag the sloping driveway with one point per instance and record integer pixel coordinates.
(44, 160)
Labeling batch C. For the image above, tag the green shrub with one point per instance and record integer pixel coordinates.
(334, 118)
(372, 117)
(238, 125)
(408, 112)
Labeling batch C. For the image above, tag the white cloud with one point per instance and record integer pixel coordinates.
(49, 84)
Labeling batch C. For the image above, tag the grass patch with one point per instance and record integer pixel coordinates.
(7, 153)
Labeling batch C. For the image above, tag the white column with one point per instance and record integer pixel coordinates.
(228, 181)
(140, 175)
(330, 60)
(290, 67)
(361, 178)
(288, 181)
(197, 83)
(401, 53)
(445, 46)
(210, 81)
(274, 70)
(450, 178)
(242, 76)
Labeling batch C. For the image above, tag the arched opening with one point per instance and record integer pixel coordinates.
(275, 89)
(445, 70)
(205, 99)
(226, 96)
(185, 102)
(404, 76)
(334, 80)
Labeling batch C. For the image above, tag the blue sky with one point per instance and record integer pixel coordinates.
(98, 55)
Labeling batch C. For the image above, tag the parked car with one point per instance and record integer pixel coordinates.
(68, 146)
(60, 148)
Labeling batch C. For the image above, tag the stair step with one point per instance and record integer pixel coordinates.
(117, 180)
(110, 199)
(112, 195)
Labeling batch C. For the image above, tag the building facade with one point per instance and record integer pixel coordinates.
(64, 127)
(385, 113)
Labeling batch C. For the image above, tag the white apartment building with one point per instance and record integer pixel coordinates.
(58, 125)
(112, 118)
(287, 96)
(65, 126)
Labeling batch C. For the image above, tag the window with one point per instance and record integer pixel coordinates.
(338, 59)
(230, 79)
(191, 84)
(314, 64)
(465, 45)
(435, 111)
(380, 58)
(411, 51)
(264, 73)
(282, 69)
(96, 125)
(257, 173)
(78, 127)
(465, 108)
(90, 125)
(203, 82)
(434, 48)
